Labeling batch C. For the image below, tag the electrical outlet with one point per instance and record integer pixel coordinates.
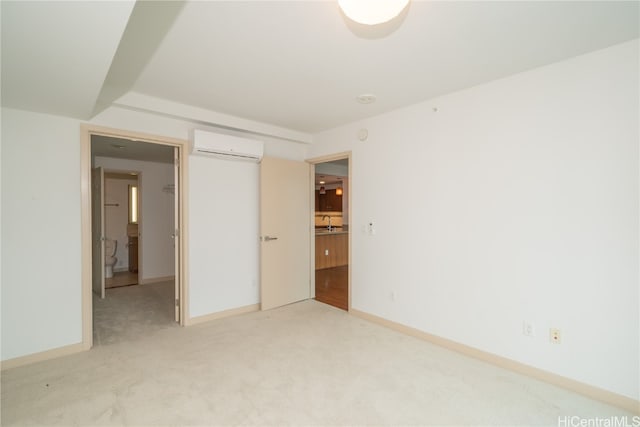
(528, 329)
(555, 336)
(326, 252)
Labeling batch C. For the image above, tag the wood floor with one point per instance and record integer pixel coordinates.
(332, 286)
(121, 278)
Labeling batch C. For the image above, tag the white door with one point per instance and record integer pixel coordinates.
(285, 232)
(176, 230)
(97, 230)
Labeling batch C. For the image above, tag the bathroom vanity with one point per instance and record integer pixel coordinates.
(132, 244)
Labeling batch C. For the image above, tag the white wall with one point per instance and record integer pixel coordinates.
(41, 307)
(516, 200)
(116, 218)
(223, 255)
(223, 214)
(40, 233)
(121, 118)
(156, 214)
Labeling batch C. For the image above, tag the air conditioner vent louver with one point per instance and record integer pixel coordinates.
(226, 146)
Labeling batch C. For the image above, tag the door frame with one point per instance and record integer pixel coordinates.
(312, 273)
(138, 179)
(98, 220)
(86, 131)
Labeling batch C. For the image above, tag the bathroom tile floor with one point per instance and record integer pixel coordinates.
(302, 364)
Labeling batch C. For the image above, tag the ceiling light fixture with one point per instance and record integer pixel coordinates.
(372, 12)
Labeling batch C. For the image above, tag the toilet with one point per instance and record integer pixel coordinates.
(110, 259)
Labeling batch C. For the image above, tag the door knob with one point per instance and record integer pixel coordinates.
(269, 238)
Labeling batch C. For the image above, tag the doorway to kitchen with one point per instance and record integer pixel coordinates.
(332, 234)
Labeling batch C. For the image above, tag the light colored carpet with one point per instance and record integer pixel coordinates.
(133, 312)
(303, 364)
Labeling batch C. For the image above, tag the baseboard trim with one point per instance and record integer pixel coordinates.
(156, 280)
(42, 356)
(587, 390)
(222, 314)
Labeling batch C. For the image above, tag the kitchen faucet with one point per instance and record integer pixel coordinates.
(327, 216)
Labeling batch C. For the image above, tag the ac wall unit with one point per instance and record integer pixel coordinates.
(226, 146)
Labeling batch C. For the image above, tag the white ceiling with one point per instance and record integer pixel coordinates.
(56, 55)
(332, 172)
(119, 148)
(296, 65)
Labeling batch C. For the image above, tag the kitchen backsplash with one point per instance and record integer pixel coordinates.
(336, 219)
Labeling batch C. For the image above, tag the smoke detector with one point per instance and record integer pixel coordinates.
(366, 98)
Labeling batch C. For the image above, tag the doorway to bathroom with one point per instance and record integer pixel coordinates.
(121, 224)
(134, 259)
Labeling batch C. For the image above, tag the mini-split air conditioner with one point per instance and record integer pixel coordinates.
(226, 146)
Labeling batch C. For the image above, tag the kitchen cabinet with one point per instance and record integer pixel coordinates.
(328, 202)
(332, 250)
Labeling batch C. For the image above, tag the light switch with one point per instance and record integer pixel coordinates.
(371, 228)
